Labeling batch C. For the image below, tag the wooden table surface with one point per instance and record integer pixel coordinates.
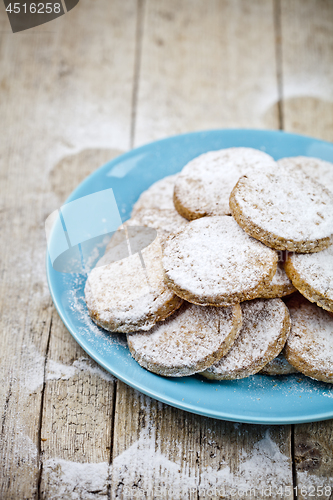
(108, 76)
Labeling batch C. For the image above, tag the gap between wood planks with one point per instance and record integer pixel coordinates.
(40, 463)
(137, 65)
(113, 416)
(279, 58)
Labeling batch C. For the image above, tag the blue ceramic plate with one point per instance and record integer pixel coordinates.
(257, 399)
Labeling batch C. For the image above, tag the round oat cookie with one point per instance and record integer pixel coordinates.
(164, 221)
(278, 366)
(159, 195)
(266, 325)
(280, 286)
(128, 239)
(320, 170)
(124, 296)
(204, 185)
(212, 261)
(284, 209)
(153, 209)
(309, 347)
(189, 341)
(312, 275)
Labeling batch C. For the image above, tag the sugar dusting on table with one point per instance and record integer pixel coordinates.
(133, 472)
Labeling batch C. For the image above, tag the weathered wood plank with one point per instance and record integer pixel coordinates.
(307, 68)
(206, 65)
(77, 419)
(313, 456)
(65, 87)
(203, 65)
(307, 54)
(24, 300)
(151, 448)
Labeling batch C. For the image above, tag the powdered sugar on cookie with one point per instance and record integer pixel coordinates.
(189, 341)
(319, 170)
(285, 210)
(309, 347)
(312, 275)
(158, 195)
(204, 185)
(124, 296)
(165, 221)
(212, 261)
(280, 286)
(266, 325)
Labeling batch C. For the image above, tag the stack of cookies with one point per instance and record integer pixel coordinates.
(236, 232)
